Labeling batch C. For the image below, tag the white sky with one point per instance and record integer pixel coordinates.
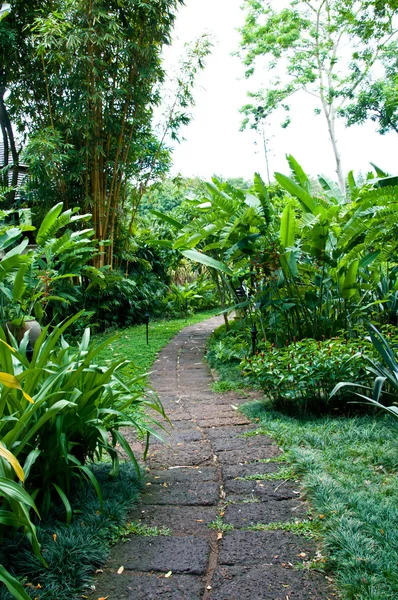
(214, 144)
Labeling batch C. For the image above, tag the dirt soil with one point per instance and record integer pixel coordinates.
(192, 480)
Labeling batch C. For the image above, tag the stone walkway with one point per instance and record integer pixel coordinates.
(192, 482)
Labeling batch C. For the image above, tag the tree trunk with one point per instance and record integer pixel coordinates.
(9, 144)
(331, 118)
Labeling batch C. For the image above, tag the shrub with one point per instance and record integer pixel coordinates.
(63, 409)
(301, 375)
(190, 297)
(385, 385)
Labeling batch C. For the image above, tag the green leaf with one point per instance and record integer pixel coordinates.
(288, 227)
(204, 259)
(19, 283)
(13, 585)
(48, 222)
(299, 175)
(12, 491)
(309, 203)
(65, 502)
(168, 219)
(90, 475)
(379, 172)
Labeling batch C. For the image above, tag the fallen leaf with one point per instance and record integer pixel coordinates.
(99, 570)
(219, 535)
(208, 587)
(120, 570)
(103, 598)
(168, 575)
(54, 537)
(302, 555)
(199, 520)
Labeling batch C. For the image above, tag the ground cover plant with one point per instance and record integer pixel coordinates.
(73, 552)
(348, 468)
(131, 342)
(83, 508)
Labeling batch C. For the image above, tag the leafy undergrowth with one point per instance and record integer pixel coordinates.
(349, 470)
(74, 553)
(225, 358)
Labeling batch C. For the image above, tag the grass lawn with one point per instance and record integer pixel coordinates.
(349, 471)
(131, 343)
(74, 552)
(348, 467)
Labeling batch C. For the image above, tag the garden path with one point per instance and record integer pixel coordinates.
(192, 482)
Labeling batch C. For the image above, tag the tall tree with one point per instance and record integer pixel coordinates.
(84, 90)
(325, 47)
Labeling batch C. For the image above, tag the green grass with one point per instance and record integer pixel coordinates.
(131, 343)
(226, 386)
(142, 530)
(282, 474)
(349, 472)
(74, 553)
(307, 528)
(219, 525)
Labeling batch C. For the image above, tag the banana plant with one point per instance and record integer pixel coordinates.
(226, 233)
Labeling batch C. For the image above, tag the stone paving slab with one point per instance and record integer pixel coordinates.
(192, 483)
(228, 430)
(191, 475)
(182, 520)
(175, 436)
(269, 583)
(186, 554)
(264, 490)
(246, 455)
(247, 470)
(189, 454)
(183, 494)
(271, 547)
(238, 443)
(217, 421)
(145, 586)
(252, 513)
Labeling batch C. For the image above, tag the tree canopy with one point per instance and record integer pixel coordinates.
(83, 79)
(327, 48)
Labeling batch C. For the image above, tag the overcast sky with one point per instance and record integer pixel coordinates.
(214, 144)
